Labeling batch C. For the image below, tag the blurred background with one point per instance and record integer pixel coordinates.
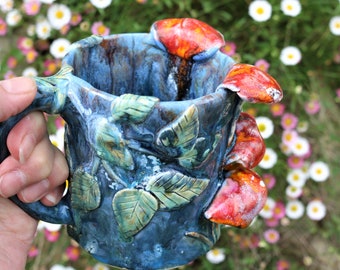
(297, 42)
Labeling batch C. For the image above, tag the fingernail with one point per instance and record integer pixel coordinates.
(36, 191)
(11, 182)
(52, 198)
(15, 86)
(26, 148)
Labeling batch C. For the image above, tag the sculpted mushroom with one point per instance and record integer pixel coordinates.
(252, 84)
(241, 197)
(249, 147)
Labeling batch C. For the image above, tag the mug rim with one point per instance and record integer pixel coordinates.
(219, 93)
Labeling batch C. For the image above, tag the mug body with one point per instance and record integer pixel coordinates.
(145, 150)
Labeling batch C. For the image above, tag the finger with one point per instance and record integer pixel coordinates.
(57, 179)
(15, 95)
(54, 196)
(52, 187)
(23, 138)
(38, 167)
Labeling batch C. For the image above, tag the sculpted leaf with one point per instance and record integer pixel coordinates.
(174, 189)
(198, 153)
(111, 146)
(133, 209)
(134, 108)
(182, 132)
(85, 191)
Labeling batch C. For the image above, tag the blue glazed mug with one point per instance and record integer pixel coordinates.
(151, 128)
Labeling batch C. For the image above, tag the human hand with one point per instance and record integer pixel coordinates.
(34, 170)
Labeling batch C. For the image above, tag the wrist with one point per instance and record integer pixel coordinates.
(13, 253)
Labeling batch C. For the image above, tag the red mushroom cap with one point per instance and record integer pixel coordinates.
(239, 200)
(249, 147)
(252, 84)
(186, 37)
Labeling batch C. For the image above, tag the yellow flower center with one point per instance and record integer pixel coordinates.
(44, 29)
(61, 49)
(59, 14)
(315, 209)
(266, 157)
(288, 137)
(266, 207)
(318, 171)
(216, 252)
(294, 208)
(101, 29)
(35, 7)
(260, 10)
(298, 146)
(262, 127)
(288, 121)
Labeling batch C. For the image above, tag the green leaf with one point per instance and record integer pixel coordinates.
(182, 132)
(111, 146)
(174, 189)
(133, 208)
(198, 153)
(85, 191)
(134, 108)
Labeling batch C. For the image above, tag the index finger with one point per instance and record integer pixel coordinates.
(15, 95)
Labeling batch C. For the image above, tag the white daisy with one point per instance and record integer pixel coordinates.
(43, 29)
(300, 146)
(269, 159)
(319, 171)
(295, 209)
(47, 1)
(101, 3)
(30, 72)
(48, 226)
(30, 30)
(260, 10)
(57, 139)
(6, 5)
(334, 25)
(13, 17)
(302, 126)
(268, 208)
(61, 267)
(297, 178)
(59, 47)
(100, 266)
(291, 7)
(285, 148)
(290, 56)
(215, 255)
(265, 126)
(316, 210)
(59, 15)
(293, 192)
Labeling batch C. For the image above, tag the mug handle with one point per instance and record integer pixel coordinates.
(50, 98)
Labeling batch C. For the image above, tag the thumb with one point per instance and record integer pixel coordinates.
(15, 95)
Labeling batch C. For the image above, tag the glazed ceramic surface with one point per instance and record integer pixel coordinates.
(159, 152)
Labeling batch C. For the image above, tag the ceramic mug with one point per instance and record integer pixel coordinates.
(158, 150)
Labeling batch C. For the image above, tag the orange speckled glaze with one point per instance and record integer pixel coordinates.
(239, 200)
(186, 37)
(252, 84)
